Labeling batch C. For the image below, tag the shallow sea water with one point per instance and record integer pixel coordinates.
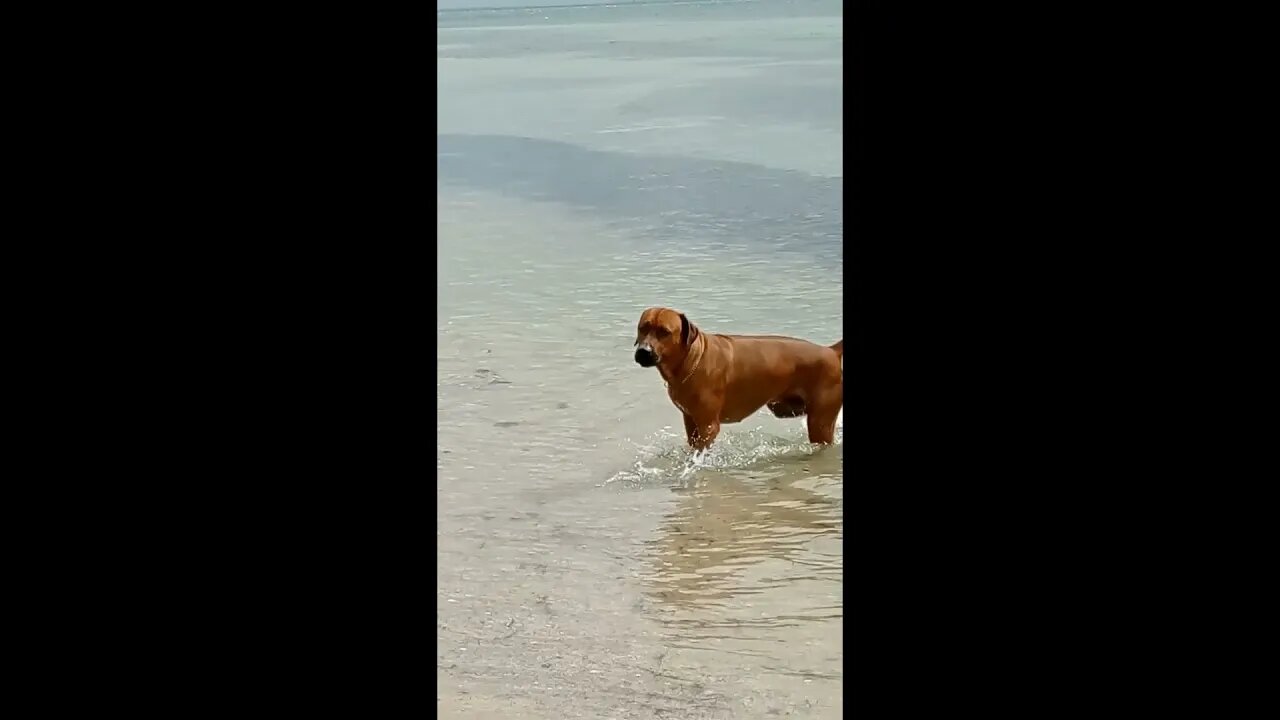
(593, 162)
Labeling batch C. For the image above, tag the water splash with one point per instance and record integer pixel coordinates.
(664, 457)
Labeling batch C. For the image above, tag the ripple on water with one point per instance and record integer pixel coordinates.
(744, 574)
(664, 457)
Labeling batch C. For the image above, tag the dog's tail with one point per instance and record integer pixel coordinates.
(839, 348)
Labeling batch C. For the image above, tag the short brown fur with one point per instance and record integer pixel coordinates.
(714, 379)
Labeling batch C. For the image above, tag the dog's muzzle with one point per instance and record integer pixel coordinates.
(645, 356)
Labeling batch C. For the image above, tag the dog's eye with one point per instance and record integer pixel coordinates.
(662, 332)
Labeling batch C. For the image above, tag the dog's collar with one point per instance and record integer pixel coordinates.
(696, 363)
(692, 369)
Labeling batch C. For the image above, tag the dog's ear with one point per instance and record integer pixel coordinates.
(688, 331)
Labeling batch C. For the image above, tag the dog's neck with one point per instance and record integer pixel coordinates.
(688, 365)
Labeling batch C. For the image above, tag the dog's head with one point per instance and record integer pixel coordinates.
(663, 335)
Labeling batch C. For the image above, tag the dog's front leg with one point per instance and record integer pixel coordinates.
(690, 430)
(700, 434)
(705, 432)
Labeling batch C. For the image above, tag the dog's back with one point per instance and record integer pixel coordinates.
(774, 369)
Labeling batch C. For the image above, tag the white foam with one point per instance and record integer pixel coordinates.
(665, 457)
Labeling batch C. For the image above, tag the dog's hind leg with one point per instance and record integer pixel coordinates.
(823, 412)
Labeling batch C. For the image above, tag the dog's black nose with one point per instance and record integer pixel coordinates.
(646, 358)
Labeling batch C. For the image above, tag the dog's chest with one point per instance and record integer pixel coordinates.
(676, 401)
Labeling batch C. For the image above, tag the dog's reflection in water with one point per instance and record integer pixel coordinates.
(727, 525)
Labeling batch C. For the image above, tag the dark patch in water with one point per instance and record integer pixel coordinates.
(732, 202)
(493, 377)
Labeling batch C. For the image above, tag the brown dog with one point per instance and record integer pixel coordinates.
(716, 379)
